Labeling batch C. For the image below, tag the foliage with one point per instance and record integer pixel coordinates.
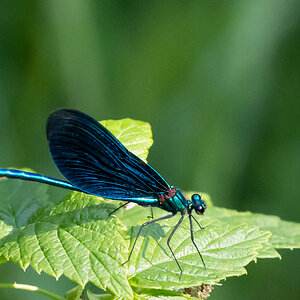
(77, 238)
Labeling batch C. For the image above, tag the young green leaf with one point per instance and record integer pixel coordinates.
(74, 293)
(225, 250)
(136, 136)
(4, 229)
(102, 296)
(74, 238)
(161, 297)
(21, 200)
(284, 234)
(144, 293)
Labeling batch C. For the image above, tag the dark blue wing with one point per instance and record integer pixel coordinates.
(92, 159)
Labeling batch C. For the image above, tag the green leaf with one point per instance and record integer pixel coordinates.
(150, 297)
(102, 296)
(75, 293)
(4, 229)
(268, 251)
(225, 250)
(20, 200)
(136, 136)
(74, 238)
(144, 293)
(284, 234)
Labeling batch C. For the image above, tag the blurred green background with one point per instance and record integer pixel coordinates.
(217, 80)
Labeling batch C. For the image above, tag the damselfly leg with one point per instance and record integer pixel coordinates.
(192, 236)
(151, 209)
(117, 208)
(201, 227)
(169, 239)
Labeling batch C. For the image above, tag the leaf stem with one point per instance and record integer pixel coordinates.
(32, 289)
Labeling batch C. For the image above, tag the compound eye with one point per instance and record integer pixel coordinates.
(196, 197)
(200, 210)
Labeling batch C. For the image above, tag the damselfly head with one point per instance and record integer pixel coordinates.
(198, 204)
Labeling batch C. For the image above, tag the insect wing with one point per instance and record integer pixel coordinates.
(92, 159)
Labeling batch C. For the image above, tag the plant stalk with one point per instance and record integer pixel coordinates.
(31, 288)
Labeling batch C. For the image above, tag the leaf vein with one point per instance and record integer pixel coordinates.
(39, 243)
